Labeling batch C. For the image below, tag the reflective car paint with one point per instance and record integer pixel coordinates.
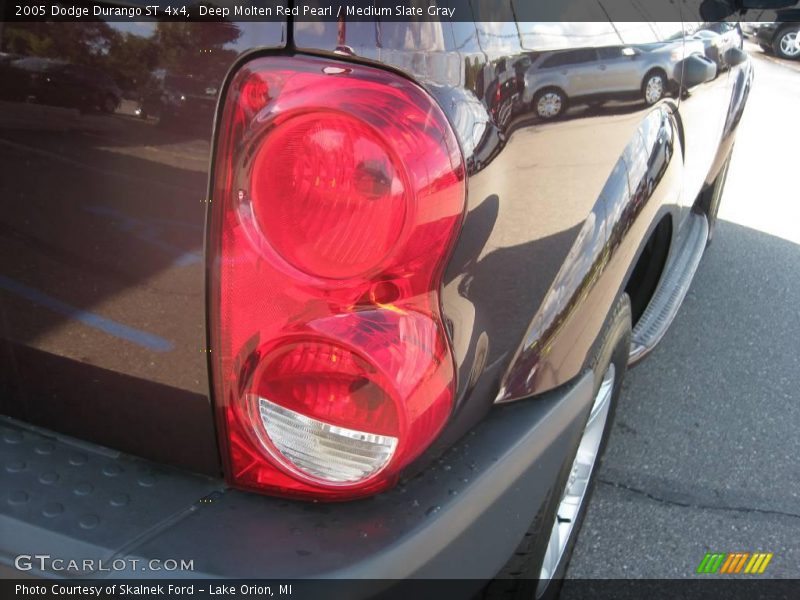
(558, 211)
(103, 220)
(102, 295)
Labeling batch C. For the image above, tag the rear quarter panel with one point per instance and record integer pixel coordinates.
(535, 270)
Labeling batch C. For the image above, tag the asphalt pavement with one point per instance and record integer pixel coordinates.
(704, 455)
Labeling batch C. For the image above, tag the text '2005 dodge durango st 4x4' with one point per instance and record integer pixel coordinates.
(341, 298)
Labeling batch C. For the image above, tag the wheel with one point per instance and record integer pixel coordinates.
(784, 43)
(713, 198)
(654, 87)
(550, 103)
(537, 568)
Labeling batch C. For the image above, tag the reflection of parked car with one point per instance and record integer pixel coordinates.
(6, 59)
(698, 68)
(480, 138)
(60, 83)
(749, 28)
(502, 93)
(179, 99)
(731, 33)
(502, 100)
(555, 78)
(717, 42)
(712, 45)
(779, 37)
(6, 74)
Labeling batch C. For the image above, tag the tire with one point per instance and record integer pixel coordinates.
(549, 103)
(654, 87)
(712, 199)
(784, 43)
(522, 577)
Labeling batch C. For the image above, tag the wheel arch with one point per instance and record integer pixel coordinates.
(562, 336)
(648, 267)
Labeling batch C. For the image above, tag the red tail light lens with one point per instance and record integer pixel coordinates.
(338, 193)
(348, 195)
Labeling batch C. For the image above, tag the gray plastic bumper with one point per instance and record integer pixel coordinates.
(461, 518)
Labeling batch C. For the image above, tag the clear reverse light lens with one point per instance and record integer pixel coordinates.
(324, 451)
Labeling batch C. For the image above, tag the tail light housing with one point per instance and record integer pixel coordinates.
(337, 196)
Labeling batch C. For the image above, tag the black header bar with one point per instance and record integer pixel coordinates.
(373, 10)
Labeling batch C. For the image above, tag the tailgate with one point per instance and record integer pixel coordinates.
(105, 140)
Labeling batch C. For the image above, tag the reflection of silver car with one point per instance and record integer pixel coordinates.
(646, 71)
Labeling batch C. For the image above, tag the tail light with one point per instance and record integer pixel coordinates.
(338, 193)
